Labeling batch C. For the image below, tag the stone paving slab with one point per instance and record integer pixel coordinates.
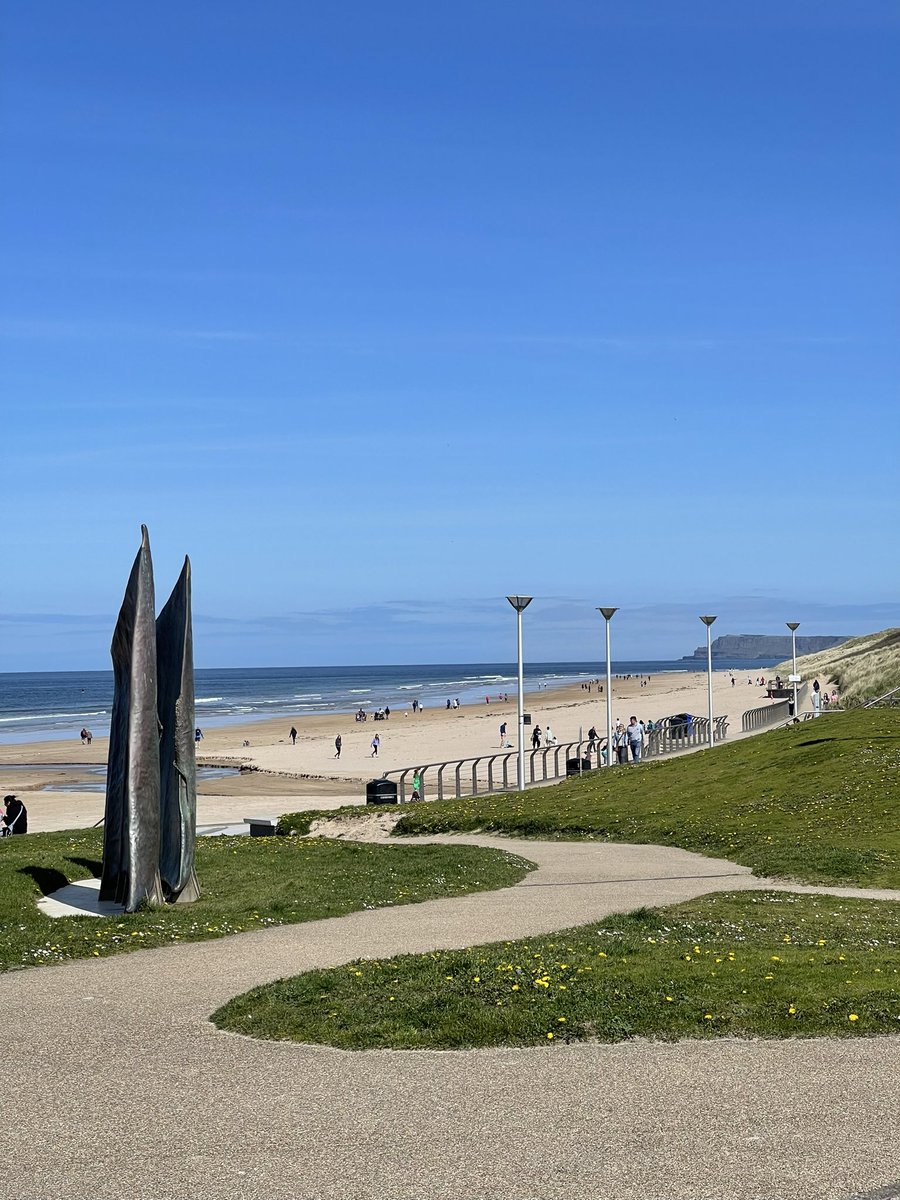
(121, 1088)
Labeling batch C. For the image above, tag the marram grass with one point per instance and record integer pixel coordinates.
(862, 668)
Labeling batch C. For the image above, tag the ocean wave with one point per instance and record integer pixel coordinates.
(209, 699)
(101, 712)
(358, 691)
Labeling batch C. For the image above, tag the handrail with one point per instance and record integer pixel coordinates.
(766, 714)
(480, 770)
(881, 699)
(813, 713)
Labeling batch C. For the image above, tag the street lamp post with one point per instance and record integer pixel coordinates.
(520, 603)
(707, 621)
(607, 614)
(793, 626)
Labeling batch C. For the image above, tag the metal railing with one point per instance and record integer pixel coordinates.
(497, 772)
(889, 699)
(774, 714)
(812, 713)
(673, 734)
(766, 714)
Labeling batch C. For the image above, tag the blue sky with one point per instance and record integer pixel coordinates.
(383, 311)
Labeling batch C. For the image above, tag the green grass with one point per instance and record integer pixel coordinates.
(817, 801)
(738, 964)
(247, 883)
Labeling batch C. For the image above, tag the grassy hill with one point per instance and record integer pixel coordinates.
(817, 801)
(863, 668)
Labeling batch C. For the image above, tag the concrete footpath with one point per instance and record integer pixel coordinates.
(117, 1087)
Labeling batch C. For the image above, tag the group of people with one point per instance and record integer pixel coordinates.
(629, 738)
(15, 817)
(820, 698)
(86, 737)
(549, 737)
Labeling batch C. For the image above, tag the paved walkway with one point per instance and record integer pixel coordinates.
(117, 1087)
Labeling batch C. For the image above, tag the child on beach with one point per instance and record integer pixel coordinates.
(376, 742)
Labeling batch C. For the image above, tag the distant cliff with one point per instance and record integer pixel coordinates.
(750, 646)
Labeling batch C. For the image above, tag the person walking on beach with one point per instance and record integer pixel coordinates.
(502, 733)
(293, 736)
(376, 742)
(549, 737)
(536, 738)
(337, 746)
(198, 734)
(15, 818)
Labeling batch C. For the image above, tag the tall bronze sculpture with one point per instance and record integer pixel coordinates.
(177, 759)
(131, 831)
(150, 823)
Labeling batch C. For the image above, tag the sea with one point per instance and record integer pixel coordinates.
(55, 705)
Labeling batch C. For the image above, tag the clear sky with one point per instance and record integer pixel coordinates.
(382, 311)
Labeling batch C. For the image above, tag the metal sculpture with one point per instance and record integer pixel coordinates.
(151, 794)
(131, 832)
(177, 759)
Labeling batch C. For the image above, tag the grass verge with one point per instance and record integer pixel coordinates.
(248, 883)
(816, 801)
(744, 964)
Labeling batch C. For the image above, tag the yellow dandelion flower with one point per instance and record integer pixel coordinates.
(853, 1017)
(550, 1036)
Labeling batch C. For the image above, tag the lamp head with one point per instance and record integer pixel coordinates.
(707, 621)
(520, 603)
(607, 612)
(792, 625)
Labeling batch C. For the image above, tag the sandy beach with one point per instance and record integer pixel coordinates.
(280, 777)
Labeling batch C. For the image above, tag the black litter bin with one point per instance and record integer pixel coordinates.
(381, 791)
(576, 766)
